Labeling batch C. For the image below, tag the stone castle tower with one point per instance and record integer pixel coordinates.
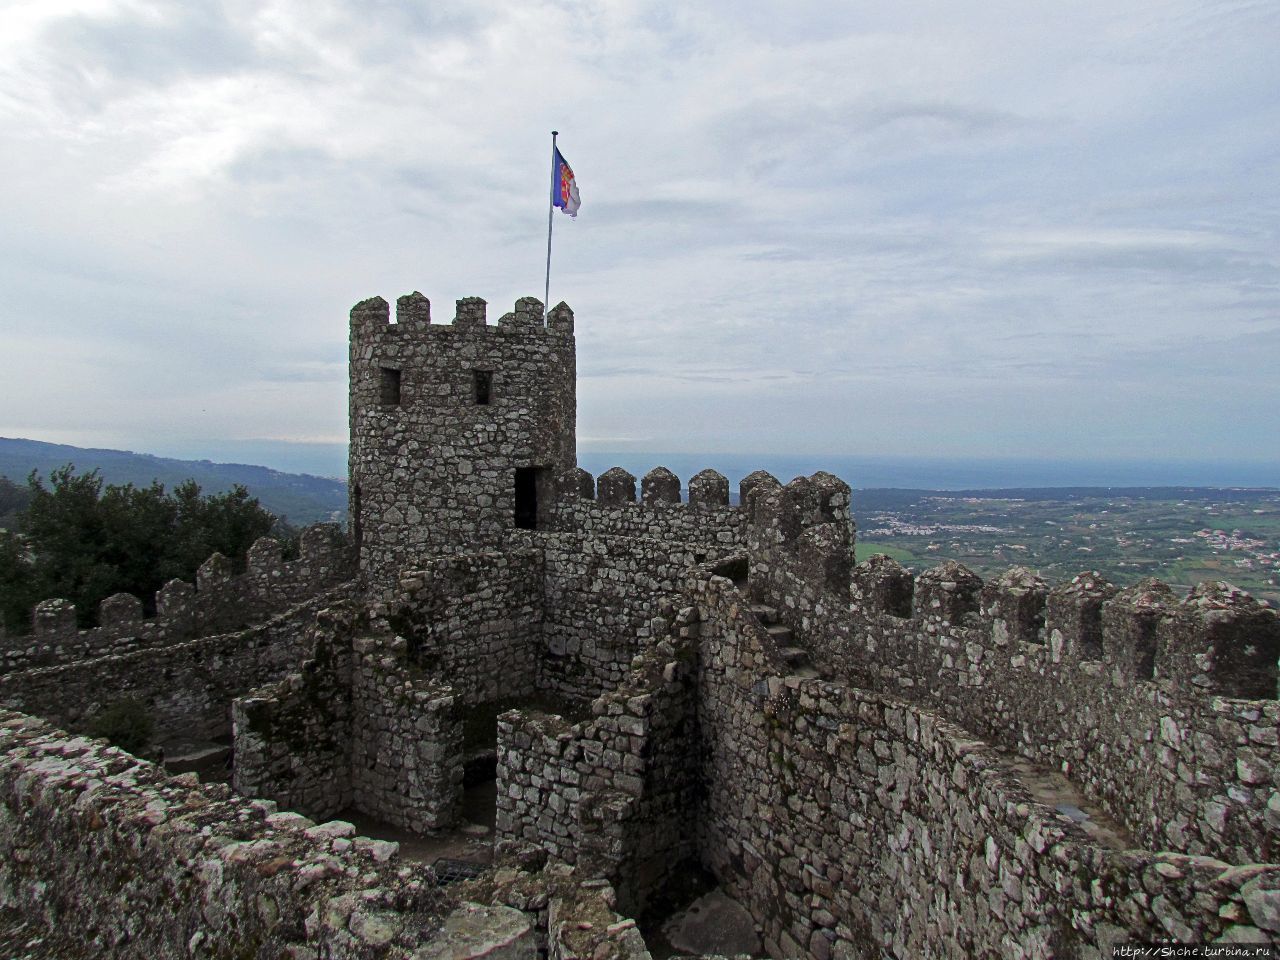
(457, 430)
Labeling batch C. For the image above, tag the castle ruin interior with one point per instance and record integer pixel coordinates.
(652, 689)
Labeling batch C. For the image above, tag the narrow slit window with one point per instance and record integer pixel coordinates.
(484, 387)
(390, 387)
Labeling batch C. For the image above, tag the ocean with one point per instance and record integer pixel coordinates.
(862, 472)
(928, 473)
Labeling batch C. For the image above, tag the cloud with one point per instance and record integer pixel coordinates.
(851, 227)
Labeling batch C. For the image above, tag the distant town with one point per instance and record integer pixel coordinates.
(1181, 535)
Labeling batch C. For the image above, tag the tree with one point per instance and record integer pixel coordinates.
(13, 500)
(84, 541)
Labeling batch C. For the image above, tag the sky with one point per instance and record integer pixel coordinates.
(931, 229)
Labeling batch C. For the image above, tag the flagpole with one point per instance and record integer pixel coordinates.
(551, 209)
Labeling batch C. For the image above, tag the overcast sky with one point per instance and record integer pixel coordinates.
(928, 228)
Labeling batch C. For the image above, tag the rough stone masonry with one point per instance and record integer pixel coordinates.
(873, 764)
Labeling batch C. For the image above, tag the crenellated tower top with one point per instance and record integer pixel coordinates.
(456, 429)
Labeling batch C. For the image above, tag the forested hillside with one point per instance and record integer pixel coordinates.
(299, 499)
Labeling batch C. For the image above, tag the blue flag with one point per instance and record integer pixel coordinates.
(564, 189)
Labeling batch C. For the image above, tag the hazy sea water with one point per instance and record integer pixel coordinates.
(926, 473)
(923, 473)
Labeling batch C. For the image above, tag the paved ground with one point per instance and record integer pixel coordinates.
(1052, 788)
(712, 925)
(473, 840)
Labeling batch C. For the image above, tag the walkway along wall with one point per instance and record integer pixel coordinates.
(1133, 693)
(1162, 710)
(849, 823)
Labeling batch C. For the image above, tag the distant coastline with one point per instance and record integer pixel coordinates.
(937, 473)
(860, 472)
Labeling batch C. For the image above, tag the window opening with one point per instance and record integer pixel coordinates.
(484, 387)
(390, 386)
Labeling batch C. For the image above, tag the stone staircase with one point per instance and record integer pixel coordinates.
(796, 658)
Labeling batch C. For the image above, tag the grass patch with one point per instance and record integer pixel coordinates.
(863, 551)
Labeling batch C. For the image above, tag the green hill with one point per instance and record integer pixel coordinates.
(298, 498)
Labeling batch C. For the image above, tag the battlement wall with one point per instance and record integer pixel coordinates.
(443, 416)
(217, 602)
(800, 538)
(607, 506)
(1149, 702)
(141, 865)
(854, 823)
(371, 319)
(186, 687)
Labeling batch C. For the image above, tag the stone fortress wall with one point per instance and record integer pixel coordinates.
(1163, 710)
(122, 860)
(218, 602)
(208, 642)
(187, 688)
(854, 753)
(850, 823)
(847, 818)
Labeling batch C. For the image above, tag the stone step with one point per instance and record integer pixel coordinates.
(794, 655)
(764, 612)
(805, 673)
(780, 633)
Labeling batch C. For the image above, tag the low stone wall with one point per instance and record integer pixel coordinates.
(539, 781)
(406, 748)
(293, 738)
(850, 823)
(612, 794)
(599, 596)
(475, 621)
(187, 687)
(142, 865)
(218, 602)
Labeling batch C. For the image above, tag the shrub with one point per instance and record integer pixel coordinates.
(126, 724)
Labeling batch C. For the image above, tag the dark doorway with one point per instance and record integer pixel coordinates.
(527, 498)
